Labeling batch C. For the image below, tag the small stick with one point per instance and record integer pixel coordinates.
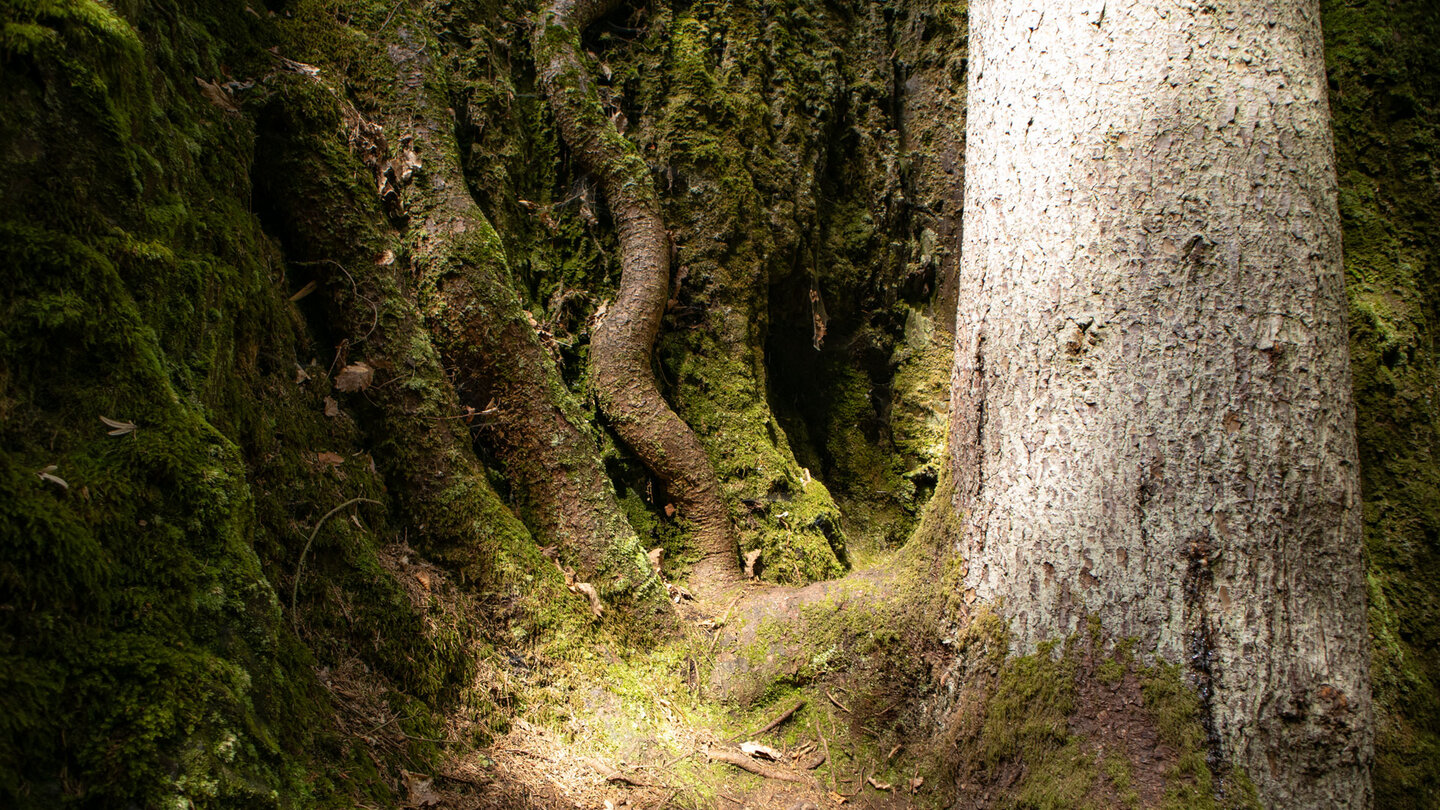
(745, 763)
(667, 765)
(837, 702)
(826, 745)
(733, 602)
(300, 567)
(773, 724)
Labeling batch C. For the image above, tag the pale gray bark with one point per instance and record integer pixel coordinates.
(1152, 416)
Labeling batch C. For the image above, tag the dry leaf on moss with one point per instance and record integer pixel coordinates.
(354, 377)
(216, 95)
(119, 428)
(755, 749)
(48, 474)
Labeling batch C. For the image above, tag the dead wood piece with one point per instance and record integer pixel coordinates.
(774, 724)
(837, 702)
(745, 763)
(758, 750)
(613, 775)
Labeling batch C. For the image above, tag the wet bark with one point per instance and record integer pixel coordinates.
(624, 340)
(1152, 416)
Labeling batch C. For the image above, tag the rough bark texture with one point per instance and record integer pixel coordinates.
(487, 339)
(624, 339)
(1152, 417)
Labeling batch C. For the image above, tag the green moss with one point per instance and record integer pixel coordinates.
(146, 657)
(1385, 85)
(1020, 714)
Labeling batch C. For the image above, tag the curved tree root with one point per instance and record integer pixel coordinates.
(622, 344)
(480, 327)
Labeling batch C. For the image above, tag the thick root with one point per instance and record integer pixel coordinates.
(624, 340)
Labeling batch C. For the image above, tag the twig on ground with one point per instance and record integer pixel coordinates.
(462, 780)
(773, 724)
(300, 567)
(612, 775)
(826, 746)
(745, 763)
(837, 702)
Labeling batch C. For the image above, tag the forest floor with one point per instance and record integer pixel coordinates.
(803, 673)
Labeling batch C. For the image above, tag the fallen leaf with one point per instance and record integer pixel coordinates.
(300, 375)
(916, 783)
(216, 95)
(330, 458)
(751, 557)
(877, 784)
(332, 408)
(298, 67)
(836, 797)
(420, 790)
(354, 377)
(589, 590)
(755, 749)
(119, 428)
(48, 474)
(656, 555)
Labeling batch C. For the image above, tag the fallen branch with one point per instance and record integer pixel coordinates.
(745, 763)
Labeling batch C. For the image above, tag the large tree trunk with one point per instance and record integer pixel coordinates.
(1152, 415)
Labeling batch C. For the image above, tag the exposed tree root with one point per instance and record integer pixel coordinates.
(625, 338)
(469, 303)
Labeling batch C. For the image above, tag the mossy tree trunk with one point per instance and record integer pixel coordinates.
(625, 339)
(1384, 67)
(1152, 415)
(485, 337)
